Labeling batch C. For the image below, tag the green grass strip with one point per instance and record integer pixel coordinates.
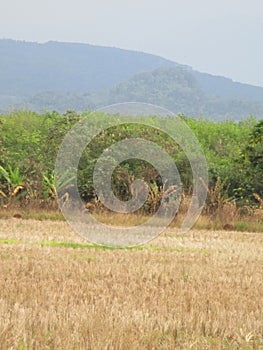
(9, 241)
(105, 247)
(86, 245)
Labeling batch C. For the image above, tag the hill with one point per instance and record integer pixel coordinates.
(173, 88)
(27, 68)
(178, 90)
(76, 76)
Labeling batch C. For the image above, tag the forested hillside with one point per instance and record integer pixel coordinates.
(62, 76)
(179, 91)
(173, 88)
(27, 68)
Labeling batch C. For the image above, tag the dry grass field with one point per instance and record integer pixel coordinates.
(201, 290)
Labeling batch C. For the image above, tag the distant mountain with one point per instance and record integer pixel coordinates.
(178, 90)
(28, 68)
(224, 87)
(174, 88)
(76, 76)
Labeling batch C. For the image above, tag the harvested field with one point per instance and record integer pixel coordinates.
(201, 290)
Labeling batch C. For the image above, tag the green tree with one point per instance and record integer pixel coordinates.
(253, 160)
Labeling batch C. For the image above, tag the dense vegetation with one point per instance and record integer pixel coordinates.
(29, 143)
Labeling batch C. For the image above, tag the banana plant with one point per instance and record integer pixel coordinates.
(53, 185)
(13, 180)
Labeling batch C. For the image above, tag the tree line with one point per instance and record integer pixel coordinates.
(29, 143)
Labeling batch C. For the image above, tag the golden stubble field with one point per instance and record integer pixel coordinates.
(201, 290)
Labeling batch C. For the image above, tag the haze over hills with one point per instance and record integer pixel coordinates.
(30, 68)
(61, 76)
(178, 90)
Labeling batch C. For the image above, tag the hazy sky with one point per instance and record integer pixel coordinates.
(220, 37)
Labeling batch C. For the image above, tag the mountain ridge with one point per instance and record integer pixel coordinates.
(60, 75)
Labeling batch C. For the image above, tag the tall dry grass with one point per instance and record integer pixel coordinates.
(226, 215)
(202, 290)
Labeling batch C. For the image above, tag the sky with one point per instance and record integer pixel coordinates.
(218, 37)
